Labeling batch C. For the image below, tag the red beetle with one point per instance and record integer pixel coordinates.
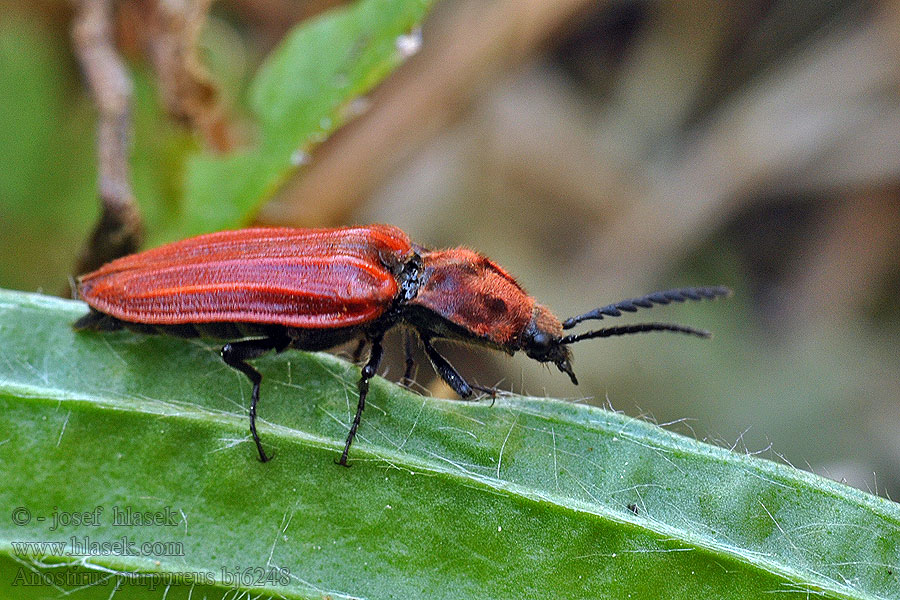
(313, 289)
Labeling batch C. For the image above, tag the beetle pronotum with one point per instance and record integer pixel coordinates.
(313, 289)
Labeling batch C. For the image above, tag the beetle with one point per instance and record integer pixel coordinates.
(312, 289)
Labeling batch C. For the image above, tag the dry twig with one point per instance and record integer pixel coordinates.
(189, 94)
(119, 230)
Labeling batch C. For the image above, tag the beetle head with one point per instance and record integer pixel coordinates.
(541, 340)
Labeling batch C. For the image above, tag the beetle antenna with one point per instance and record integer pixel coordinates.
(629, 329)
(664, 297)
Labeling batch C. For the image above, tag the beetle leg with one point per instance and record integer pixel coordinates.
(490, 391)
(368, 372)
(446, 371)
(357, 354)
(235, 355)
(410, 371)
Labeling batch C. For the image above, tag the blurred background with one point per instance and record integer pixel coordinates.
(597, 150)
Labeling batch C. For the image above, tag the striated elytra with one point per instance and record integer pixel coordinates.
(313, 289)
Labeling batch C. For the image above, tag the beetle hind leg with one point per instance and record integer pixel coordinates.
(236, 355)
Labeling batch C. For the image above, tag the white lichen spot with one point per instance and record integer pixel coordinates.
(325, 123)
(357, 107)
(300, 158)
(409, 44)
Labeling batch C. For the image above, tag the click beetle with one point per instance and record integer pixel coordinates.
(312, 289)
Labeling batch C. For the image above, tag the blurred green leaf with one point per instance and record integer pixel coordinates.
(47, 158)
(526, 498)
(301, 94)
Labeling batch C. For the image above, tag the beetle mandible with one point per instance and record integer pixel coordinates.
(313, 289)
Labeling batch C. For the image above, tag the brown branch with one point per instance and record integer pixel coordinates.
(119, 230)
(188, 92)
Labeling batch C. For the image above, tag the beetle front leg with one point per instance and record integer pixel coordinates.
(368, 372)
(235, 355)
(446, 371)
(452, 376)
(490, 391)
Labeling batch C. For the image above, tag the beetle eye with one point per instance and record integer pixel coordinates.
(541, 340)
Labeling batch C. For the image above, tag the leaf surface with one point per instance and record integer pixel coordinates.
(526, 498)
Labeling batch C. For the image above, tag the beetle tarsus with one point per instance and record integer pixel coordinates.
(490, 391)
(236, 355)
(367, 373)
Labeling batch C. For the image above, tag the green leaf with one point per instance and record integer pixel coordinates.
(47, 154)
(526, 498)
(302, 93)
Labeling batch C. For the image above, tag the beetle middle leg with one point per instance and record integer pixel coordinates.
(357, 353)
(236, 355)
(408, 346)
(368, 372)
(451, 376)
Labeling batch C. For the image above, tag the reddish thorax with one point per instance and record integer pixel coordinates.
(475, 293)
